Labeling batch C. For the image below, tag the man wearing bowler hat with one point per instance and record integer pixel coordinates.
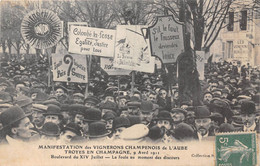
(119, 125)
(97, 131)
(53, 114)
(15, 126)
(50, 132)
(78, 112)
(164, 122)
(248, 115)
(202, 122)
(70, 130)
(91, 115)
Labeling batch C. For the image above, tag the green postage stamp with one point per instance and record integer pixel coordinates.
(236, 149)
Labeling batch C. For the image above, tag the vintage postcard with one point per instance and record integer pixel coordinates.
(138, 82)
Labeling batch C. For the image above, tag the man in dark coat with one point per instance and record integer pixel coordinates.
(248, 115)
(203, 122)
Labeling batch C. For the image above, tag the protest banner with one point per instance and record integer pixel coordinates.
(200, 59)
(107, 65)
(132, 49)
(92, 41)
(41, 28)
(166, 37)
(69, 68)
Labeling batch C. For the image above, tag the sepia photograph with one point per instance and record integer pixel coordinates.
(129, 82)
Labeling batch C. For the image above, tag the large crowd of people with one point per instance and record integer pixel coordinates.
(113, 110)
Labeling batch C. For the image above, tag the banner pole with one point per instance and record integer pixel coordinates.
(50, 81)
(118, 84)
(133, 82)
(88, 70)
(49, 68)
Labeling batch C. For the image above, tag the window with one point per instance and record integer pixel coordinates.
(230, 26)
(229, 49)
(243, 20)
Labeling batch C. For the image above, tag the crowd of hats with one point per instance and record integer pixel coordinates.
(227, 92)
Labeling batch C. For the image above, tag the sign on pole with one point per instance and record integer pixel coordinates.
(107, 65)
(132, 49)
(69, 68)
(166, 37)
(92, 41)
(41, 28)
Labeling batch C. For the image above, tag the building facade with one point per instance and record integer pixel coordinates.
(239, 39)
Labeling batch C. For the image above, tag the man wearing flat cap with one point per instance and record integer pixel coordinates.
(61, 93)
(248, 115)
(37, 116)
(91, 102)
(25, 103)
(15, 126)
(5, 98)
(222, 107)
(18, 86)
(108, 106)
(3, 86)
(146, 112)
(133, 106)
(178, 115)
(5, 101)
(78, 98)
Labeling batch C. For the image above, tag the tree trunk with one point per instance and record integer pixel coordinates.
(188, 77)
(9, 45)
(4, 48)
(18, 48)
(3, 45)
